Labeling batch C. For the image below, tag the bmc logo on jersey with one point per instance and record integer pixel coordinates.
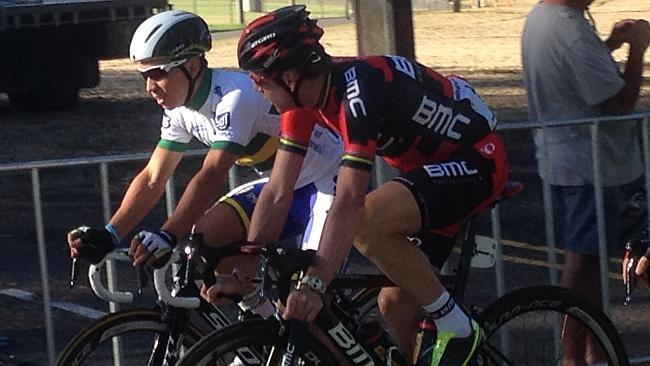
(222, 121)
(449, 169)
(439, 118)
(352, 93)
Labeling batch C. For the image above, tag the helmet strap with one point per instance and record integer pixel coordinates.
(191, 81)
(293, 93)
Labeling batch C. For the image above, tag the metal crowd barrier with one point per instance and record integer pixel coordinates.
(381, 174)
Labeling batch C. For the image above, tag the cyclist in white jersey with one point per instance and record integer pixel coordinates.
(222, 110)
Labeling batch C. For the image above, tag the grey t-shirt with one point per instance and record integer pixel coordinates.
(568, 72)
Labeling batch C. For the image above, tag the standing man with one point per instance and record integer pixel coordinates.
(569, 73)
(222, 110)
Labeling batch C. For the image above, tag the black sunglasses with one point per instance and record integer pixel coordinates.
(154, 74)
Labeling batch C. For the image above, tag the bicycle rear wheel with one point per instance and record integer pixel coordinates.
(528, 327)
(253, 342)
(136, 332)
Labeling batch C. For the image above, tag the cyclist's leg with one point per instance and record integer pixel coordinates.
(434, 196)
(227, 222)
(390, 211)
(397, 307)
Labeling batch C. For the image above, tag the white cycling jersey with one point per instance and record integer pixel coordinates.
(228, 113)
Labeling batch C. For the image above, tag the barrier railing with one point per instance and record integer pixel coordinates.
(36, 166)
(594, 124)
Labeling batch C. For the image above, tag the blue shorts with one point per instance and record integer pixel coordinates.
(574, 213)
(244, 197)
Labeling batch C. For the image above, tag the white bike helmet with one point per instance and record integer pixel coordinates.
(171, 37)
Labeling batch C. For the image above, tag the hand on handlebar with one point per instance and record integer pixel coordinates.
(226, 289)
(90, 243)
(152, 249)
(303, 304)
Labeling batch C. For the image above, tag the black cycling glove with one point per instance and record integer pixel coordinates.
(97, 243)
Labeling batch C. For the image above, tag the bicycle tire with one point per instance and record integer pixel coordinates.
(505, 323)
(252, 341)
(94, 345)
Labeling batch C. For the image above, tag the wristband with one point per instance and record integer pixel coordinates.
(111, 229)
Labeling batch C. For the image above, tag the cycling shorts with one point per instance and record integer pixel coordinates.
(306, 215)
(450, 191)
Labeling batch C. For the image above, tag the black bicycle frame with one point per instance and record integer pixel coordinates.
(332, 319)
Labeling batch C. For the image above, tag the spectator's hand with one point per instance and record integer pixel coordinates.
(152, 249)
(637, 254)
(622, 33)
(640, 37)
(641, 270)
(90, 243)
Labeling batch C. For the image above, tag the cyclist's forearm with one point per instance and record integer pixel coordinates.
(342, 223)
(270, 213)
(140, 198)
(201, 192)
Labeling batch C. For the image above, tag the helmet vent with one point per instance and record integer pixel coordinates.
(153, 31)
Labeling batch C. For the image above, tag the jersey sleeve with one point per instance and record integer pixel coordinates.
(174, 135)
(360, 112)
(296, 126)
(234, 121)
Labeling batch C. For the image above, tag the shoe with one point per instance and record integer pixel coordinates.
(448, 350)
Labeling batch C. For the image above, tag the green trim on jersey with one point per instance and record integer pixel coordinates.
(172, 145)
(202, 93)
(229, 146)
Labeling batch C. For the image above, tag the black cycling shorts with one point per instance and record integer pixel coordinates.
(449, 191)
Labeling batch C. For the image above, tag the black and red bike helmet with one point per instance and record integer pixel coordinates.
(281, 40)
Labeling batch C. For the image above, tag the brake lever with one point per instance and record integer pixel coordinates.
(631, 279)
(73, 272)
(143, 278)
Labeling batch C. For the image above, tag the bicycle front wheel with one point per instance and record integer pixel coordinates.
(548, 325)
(133, 333)
(253, 342)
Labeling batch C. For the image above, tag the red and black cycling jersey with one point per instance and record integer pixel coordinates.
(396, 108)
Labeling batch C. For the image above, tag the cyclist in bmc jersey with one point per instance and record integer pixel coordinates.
(434, 129)
(222, 110)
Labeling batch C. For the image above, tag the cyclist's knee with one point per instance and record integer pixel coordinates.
(368, 233)
(220, 225)
(390, 299)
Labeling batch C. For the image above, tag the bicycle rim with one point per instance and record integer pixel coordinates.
(131, 333)
(545, 326)
(253, 342)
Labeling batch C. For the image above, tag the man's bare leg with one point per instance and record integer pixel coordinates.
(581, 275)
